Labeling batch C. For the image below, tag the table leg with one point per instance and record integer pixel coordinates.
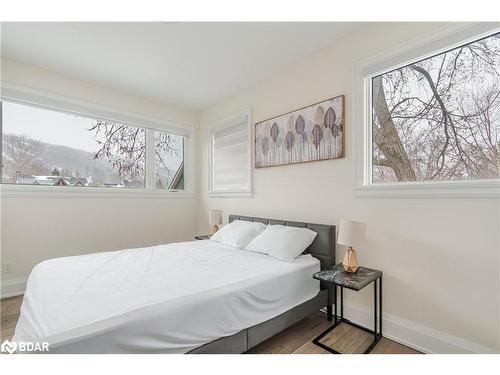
(380, 305)
(375, 309)
(335, 302)
(341, 302)
(329, 303)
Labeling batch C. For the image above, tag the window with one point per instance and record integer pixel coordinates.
(169, 161)
(48, 147)
(229, 155)
(438, 118)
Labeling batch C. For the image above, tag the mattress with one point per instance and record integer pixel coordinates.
(160, 299)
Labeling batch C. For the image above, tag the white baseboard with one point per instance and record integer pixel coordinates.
(11, 288)
(415, 335)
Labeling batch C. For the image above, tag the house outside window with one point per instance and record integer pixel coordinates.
(47, 147)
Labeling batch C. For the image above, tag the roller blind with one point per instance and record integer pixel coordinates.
(230, 156)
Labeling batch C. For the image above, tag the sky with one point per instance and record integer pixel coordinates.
(48, 126)
(55, 127)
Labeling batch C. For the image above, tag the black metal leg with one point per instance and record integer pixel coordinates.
(375, 307)
(341, 303)
(330, 301)
(380, 305)
(335, 302)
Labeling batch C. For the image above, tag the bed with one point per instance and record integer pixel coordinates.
(190, 297)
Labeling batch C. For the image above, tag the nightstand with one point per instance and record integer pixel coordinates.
(203, 237)
(338, 279)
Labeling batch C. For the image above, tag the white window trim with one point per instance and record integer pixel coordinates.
(440, 41)
(221, 125)
(30, 191)
(38, 98)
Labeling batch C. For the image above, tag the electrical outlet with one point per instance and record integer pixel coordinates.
(6, 267)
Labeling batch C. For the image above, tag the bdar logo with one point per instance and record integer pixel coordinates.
(8, 347)
(24, 346)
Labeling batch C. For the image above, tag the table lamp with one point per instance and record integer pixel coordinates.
(351, 234)
(215, 219)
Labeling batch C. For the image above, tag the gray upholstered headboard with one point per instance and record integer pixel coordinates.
(323, 246)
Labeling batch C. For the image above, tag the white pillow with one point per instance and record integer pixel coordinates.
(239, 233)
(282, 242)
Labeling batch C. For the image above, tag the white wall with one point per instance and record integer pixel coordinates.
(440, 257)
(41, 227)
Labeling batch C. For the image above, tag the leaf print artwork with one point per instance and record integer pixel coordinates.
(312, 133)
(330, 118)
(300, 129)
(289, 141)
(274, 132)
(300, 125)
(265, 146)
(317, 134)
(319, 121)
(327, 140)
(319, 117)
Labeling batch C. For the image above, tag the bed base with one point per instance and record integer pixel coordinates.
(248, 338)
(323, 249)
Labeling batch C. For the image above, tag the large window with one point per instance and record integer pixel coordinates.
(42, 146)
(229, 155)
(438, 118)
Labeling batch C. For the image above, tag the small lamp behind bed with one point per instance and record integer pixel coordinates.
(215, 219)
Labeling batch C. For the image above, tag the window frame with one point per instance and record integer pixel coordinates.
(220, 125)
(151, 150)
(36, 98)
(433, 44)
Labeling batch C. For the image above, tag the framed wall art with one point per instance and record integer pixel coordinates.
(308, 134)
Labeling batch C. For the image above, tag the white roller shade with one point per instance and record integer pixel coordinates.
(230, 156)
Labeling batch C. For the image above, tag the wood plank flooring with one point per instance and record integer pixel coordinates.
(294, 340)
(345, 338)
(9, 313)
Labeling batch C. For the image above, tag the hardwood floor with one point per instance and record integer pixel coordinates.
(294, 340)
(345, 338)
(9, 313)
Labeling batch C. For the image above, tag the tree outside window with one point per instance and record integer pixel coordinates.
(439, 118)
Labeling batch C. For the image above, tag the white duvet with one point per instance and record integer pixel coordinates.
(161, 299)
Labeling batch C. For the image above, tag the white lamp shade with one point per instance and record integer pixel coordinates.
(215, 217)
(351, 233)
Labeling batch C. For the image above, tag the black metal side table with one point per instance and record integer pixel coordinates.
(335, 278)
(203, 237)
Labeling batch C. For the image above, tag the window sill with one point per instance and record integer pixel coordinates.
(10, 190)
(229, 194)
(485, 189)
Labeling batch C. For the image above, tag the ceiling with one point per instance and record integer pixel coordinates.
(187, 65)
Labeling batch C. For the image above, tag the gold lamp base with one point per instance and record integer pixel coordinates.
(350, 262)
(215, 228)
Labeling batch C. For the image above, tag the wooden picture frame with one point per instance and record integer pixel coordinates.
(311, 133)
